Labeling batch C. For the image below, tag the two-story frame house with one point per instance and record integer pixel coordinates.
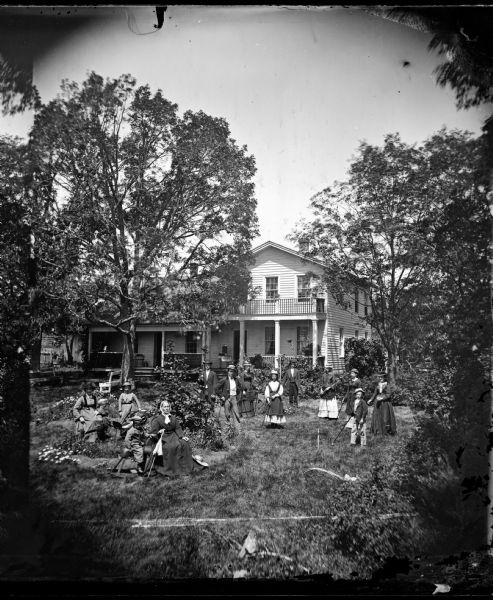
(291, 315)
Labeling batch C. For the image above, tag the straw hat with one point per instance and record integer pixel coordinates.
(359, 390)
(127, 384)
(231, 367)
(274, 372)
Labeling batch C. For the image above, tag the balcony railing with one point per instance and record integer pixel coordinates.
(283, 306)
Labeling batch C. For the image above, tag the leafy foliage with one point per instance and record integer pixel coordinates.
(373, 521)
(365, 355)
(392, 228)
(144, 210)
(194, 412)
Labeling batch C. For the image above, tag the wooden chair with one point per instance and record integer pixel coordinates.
(105, 386)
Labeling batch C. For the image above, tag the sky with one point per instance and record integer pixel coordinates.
(299, 87)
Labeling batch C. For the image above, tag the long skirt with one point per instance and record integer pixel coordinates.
(328, 409)
(176, 458)
(275, 413)
(128, 410)
(383, 419)
(247, 403)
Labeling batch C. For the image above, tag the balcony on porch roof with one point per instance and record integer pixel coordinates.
(284, 306)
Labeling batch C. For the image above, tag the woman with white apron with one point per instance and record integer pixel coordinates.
(327, 408)
(274, 416)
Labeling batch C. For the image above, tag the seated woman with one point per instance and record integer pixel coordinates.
(98, 428)
(174, 455)
(84, 410)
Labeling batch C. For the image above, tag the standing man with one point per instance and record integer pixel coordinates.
(208, 381)
(291, 383)
(230, 390)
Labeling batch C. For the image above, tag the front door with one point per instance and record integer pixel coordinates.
(236, 345)
(157, 348)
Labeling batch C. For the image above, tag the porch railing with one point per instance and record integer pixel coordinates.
(283, 306)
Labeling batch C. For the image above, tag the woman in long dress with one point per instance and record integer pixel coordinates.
(383, 417)
(327, 408)
(249, 393)
(174, 455)
(274, 417)
(128, 403)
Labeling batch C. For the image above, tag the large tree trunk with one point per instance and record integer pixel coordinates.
(128, 358)
(69, 343)
(35, 352)
(392, 367)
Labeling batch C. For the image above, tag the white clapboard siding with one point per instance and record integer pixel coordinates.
(273, 262)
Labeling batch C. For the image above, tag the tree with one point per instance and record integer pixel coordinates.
(152, 214)
(376, 230)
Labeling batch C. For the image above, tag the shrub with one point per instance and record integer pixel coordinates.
(195, 413)
(366, 526)
(365, 355)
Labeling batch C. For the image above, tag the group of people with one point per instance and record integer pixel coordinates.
(383, 417)
(165, 438)
(236, 395)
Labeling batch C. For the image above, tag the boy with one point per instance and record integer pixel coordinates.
(134, 442)
(360, 413)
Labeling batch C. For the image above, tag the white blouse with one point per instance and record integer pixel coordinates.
(273, 387)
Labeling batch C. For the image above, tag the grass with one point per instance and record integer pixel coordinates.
(265, 475)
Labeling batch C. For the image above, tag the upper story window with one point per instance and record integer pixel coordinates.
(271, 288)
(304, 291)
(356, 300)
(365, 296)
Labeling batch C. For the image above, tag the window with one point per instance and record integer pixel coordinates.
(191, 342)
(366, 335)
(271, 288)
(341, 342)
(303, 288)
(270, 340)
(356, 334)
(356, 300)
(301, 338)
(366, 304)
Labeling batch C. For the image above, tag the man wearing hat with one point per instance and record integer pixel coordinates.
(291, 383)
(358, 428)
(85, 408)
(134, 440)
(230, 390)
(208, 381)
(128, 403)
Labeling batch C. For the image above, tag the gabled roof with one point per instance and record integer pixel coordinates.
(269, 244)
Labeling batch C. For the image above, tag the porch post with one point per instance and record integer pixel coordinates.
(241, 358)
(89, 345)
(277, 344)
(326, 355)
(314, 341)
(163, 349)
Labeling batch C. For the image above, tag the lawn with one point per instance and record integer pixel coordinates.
(259, 484)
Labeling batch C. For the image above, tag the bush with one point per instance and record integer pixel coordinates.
(373, 521)
(194, 412)
(365, 355)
